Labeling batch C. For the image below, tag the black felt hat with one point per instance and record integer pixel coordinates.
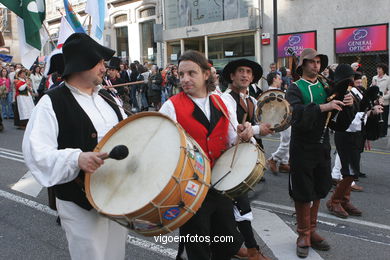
(55, 63)
(342, 72)
(231, 67)
(82, 53)
(114, 63)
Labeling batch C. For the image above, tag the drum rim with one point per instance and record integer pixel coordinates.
(262, 95)
(285, 123)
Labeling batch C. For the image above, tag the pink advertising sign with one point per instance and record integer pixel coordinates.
(361, 39)
(296, 41)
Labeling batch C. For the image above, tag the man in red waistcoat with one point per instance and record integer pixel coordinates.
(202, 115)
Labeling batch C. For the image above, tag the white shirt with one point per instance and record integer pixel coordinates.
(48, 164)
(204, 104)
(228, 99)
(384, 86)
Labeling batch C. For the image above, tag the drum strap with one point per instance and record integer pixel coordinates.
(223, 111)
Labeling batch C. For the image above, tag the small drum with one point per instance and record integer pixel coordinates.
(159, 185)
(274, 109)
(246, 172)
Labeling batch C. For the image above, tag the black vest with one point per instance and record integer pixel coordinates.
(240, 111)
(75, 131)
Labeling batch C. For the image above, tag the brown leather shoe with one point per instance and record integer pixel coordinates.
(242, 253)
(255, 254)
(336, 209)
(272, 165)
(356, 187)
(351, 209)
(302, 210)
(317, 242)
(284, 168)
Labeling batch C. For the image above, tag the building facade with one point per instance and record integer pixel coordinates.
(129, 27)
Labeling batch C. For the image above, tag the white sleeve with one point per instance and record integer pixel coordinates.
(356, 124)
(256, 128)
(23, 87)
(168, 109)
(48, 165)
(231, 106)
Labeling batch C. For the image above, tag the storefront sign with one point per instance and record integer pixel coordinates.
(362, 39)
(297, 42)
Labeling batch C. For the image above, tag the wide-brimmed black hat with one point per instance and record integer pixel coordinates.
(309, 54)
(55, 63)
(343, 72)
(114, 63)
(82, 53)
(231, 67)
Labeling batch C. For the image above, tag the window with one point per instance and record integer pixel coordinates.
(149, 47)
(120, 18)
(122, 42)
(147, 12)
(224, 49)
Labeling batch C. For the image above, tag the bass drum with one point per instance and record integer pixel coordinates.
(159, 185)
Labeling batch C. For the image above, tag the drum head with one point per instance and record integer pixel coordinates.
(244, 163)
(273, 111)
(124, 186)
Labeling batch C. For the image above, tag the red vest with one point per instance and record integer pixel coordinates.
(213, 144)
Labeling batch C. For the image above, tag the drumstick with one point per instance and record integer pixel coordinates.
(234, 155)
(119, 152)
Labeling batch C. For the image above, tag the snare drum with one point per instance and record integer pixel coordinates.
(274, 109)
(159, 185)
(247, 170)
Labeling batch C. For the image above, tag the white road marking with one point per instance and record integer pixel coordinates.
(11, 151)
(278, 236)
(130, 239)
(28, 185)
(12, 158)
(12, 154)
(324, 215)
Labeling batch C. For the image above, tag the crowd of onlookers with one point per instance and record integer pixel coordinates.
(151, 86)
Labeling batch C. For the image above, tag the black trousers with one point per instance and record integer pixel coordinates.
(310, 174)
(214, 218)
(349, 147)
(243, 204)
(385, 117)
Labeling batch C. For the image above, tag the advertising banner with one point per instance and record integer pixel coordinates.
(361, 39)
(296, 41)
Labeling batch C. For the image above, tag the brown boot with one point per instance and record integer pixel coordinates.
(347, 205)
(255, 254)
(272, 165)
(284, 168)
(302, 210)
(317, 242)
(334, 204)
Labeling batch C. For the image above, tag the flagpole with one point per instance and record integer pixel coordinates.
(51, 40)
(89, 25)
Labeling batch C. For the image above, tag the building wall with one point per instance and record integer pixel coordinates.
(322, 16)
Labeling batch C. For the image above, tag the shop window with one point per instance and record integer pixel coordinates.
(147, 12)
(149, 47)
(224, 49)
(122, 42)
(173, 52)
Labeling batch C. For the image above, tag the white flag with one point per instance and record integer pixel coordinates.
(65, 31)
(97, 9)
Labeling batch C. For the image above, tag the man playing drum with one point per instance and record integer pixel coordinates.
(310, 174)
(65, 127)
(202, 115)
(241, 74)
(281, 155)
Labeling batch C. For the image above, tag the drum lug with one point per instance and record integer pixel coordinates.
(195, 176)
(181, 204)
(248, 186)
